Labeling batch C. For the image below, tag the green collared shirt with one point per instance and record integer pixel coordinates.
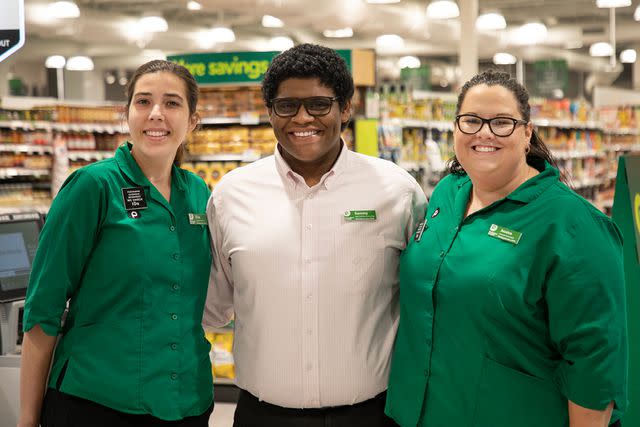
(133, 339)
(499, 333)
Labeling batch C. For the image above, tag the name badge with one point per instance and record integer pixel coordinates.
(134, 201)
(365, 215)
(198, 219)
(420, 230)
(505, 234)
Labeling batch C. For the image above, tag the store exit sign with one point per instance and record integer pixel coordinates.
(12, 32)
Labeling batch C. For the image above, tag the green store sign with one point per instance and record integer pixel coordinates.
(232, 68)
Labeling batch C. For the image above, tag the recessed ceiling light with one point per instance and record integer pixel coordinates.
(612, 3)
(339, 33)
(530, 33)
(389, 41)
(269, 21)
(280, 43)
(628, 56)
(442, 9)
(64, 9)
(153, 24)
(80, 63)
(222, 35)
(409, 62)
(636, 14)
(194, 5)
(491, 21)
(600, 49)
(55, 61)
(503, 58)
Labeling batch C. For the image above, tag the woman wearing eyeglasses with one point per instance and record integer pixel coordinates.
(512, 307)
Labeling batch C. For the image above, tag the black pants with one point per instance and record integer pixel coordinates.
(64, 410)
(251, 412)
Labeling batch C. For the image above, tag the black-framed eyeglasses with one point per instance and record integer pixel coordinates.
(316, 106)
(499, 126)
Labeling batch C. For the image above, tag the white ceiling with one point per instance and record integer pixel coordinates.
(101, 29)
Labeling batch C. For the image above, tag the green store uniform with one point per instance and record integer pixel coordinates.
(133, 339)
(495, 333)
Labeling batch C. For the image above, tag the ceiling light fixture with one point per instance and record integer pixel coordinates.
(63, 9)
(409, 62)
(600, 49)
(280, 43)
(628, 56)
(153, 23)
(604, 4)
(339, 33)
(269, 21)
(222, 35)
(530, 33)
(80, 63)
(389, 41)
(491, 21)
(442, 9)
(503, 58)
(194, 5)
(55, 61)
(636, 14)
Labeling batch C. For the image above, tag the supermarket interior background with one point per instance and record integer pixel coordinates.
(61, 96)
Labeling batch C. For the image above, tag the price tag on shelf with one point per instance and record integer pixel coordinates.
(250, 118)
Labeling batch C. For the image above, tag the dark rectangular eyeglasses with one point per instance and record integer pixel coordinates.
(316, 106)
(499, 126)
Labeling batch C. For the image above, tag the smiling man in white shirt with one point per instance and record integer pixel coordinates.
(306, 246)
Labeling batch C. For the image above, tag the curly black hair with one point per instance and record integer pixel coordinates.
(309, 61)
(539, 152)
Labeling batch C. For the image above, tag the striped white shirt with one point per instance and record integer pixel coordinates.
(315, 295)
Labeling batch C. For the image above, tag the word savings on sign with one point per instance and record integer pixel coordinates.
(251, 69)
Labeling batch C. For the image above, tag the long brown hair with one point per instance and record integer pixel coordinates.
(539, 152)
(159, 65)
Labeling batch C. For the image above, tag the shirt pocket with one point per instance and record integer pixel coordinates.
(508, 397)
(360, 263)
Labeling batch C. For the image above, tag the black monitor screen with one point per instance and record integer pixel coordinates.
(18, 243)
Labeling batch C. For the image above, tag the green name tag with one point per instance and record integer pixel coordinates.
(197, 219)
(505, 234)
(360, 215)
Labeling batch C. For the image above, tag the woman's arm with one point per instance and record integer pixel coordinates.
(37, 349)
(580, 416)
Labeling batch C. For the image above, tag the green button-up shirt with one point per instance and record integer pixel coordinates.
(509, 312)
(133, 339)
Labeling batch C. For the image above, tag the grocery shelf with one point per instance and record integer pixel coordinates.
(426, 124)
(16, 172)
(18, 209)
(89, 155)
(576, 154)
(25, 124)
(567, 124)
(91, 127)
(26, 148)
(623, 147)
(249, 120)
(621, 131)
(245, 157)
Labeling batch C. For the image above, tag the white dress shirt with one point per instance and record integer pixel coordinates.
(315, 295)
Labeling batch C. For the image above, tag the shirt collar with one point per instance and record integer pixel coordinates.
(328, 180)
(130, 168)
(535, 186)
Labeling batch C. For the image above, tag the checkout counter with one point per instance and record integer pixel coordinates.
(19, 235)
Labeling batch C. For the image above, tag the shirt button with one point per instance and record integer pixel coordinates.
(174, 376)
(174, 317)
(172, 228)
(176, 256)
(175, 286)
(310, 196)
(174, 346)
(308, 227)
(441, 254)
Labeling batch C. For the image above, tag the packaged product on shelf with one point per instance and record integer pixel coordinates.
(221, 354)
(215, 172)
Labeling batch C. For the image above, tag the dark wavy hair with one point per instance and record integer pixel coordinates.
(307, 61)
(177, 70)
(539, 151)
